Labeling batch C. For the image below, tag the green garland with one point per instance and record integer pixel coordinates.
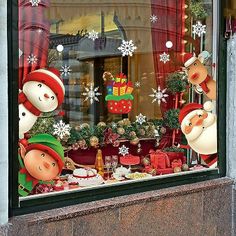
(173, 149)
(176, 82)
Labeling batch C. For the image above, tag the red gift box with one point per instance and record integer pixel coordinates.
(159, 160)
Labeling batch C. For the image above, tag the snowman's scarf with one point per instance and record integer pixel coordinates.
(28, 105)
(204, 84)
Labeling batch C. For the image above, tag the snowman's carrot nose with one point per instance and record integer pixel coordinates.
(46, 95)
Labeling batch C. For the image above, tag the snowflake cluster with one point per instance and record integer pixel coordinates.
(61, 129)
(127, 48)
(199, 29)
(137, 84)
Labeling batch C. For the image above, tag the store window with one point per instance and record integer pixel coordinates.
(114, 93)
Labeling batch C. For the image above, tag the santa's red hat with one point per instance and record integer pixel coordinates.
(191, 109)
(49, 77)
(189, 59)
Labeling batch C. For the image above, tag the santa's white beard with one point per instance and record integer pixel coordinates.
(206, 143)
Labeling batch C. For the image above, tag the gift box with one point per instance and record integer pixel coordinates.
(176, 163)
(129, 88)
(119, 89)
(159, 160)
(121, 78)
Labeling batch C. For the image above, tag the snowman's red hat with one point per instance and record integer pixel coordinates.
(49, 77)
(189, 59)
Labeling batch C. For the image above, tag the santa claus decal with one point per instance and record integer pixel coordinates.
(199, 126)
(43, 91)
(198, 75)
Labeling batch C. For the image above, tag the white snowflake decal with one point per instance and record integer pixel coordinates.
(153, 18)
(159, 95)
(140, 119)
(93, 35)
(65, 70)
(91, 94)
(164, 57)
(32, 59)
(113, 125)
(123, 150)
(61, 129)
(35, 3)
(137, 84)
(127, 48)
(199, 29)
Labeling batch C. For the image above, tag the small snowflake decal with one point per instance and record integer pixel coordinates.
(140, 119)
(20, 53)
(35, 3)
(61, 129)
(65, 70)
(199, 29)
(113, 125)
(153, 18)
(32, 59)
(91, 94)
(164, 57)
(123, 150)
(159, 95)
(137, 84)
(127, 48)
(93, 35)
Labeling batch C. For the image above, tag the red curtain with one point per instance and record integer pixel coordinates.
(33, 37)
(169, 27)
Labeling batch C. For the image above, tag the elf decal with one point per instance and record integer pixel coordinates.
(198, 75)
(199, 126)
(42, 159)
(43, 91)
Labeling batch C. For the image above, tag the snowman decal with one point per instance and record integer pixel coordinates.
(43, 91)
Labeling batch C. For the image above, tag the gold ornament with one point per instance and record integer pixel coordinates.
(177, 169)
(132, 134)
(134, 141)
(185, 167)
(126, 121)
(94, 141)
(101, 124)
(120, 131)
(85, 125)
(142, 132)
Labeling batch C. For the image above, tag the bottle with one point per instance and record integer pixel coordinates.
(99, 164)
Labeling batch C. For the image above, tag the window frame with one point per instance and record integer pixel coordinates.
(64, 199)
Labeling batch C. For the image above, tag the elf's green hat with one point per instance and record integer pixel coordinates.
(48, 144)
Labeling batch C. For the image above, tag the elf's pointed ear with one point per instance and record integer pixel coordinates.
(22, 150)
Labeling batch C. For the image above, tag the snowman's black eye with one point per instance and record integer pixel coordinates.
(40, 85)
(23, 114)
(52, 97)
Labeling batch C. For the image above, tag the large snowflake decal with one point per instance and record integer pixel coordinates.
(93, 35)
(65, 70)
(35, 3)
(91, 94)
(61, 129)
(32, 59)
(123, 150)
(159, 95)
(127, 48)
(164, 57)
(153, 18)
(140, 119)
(199, 29)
